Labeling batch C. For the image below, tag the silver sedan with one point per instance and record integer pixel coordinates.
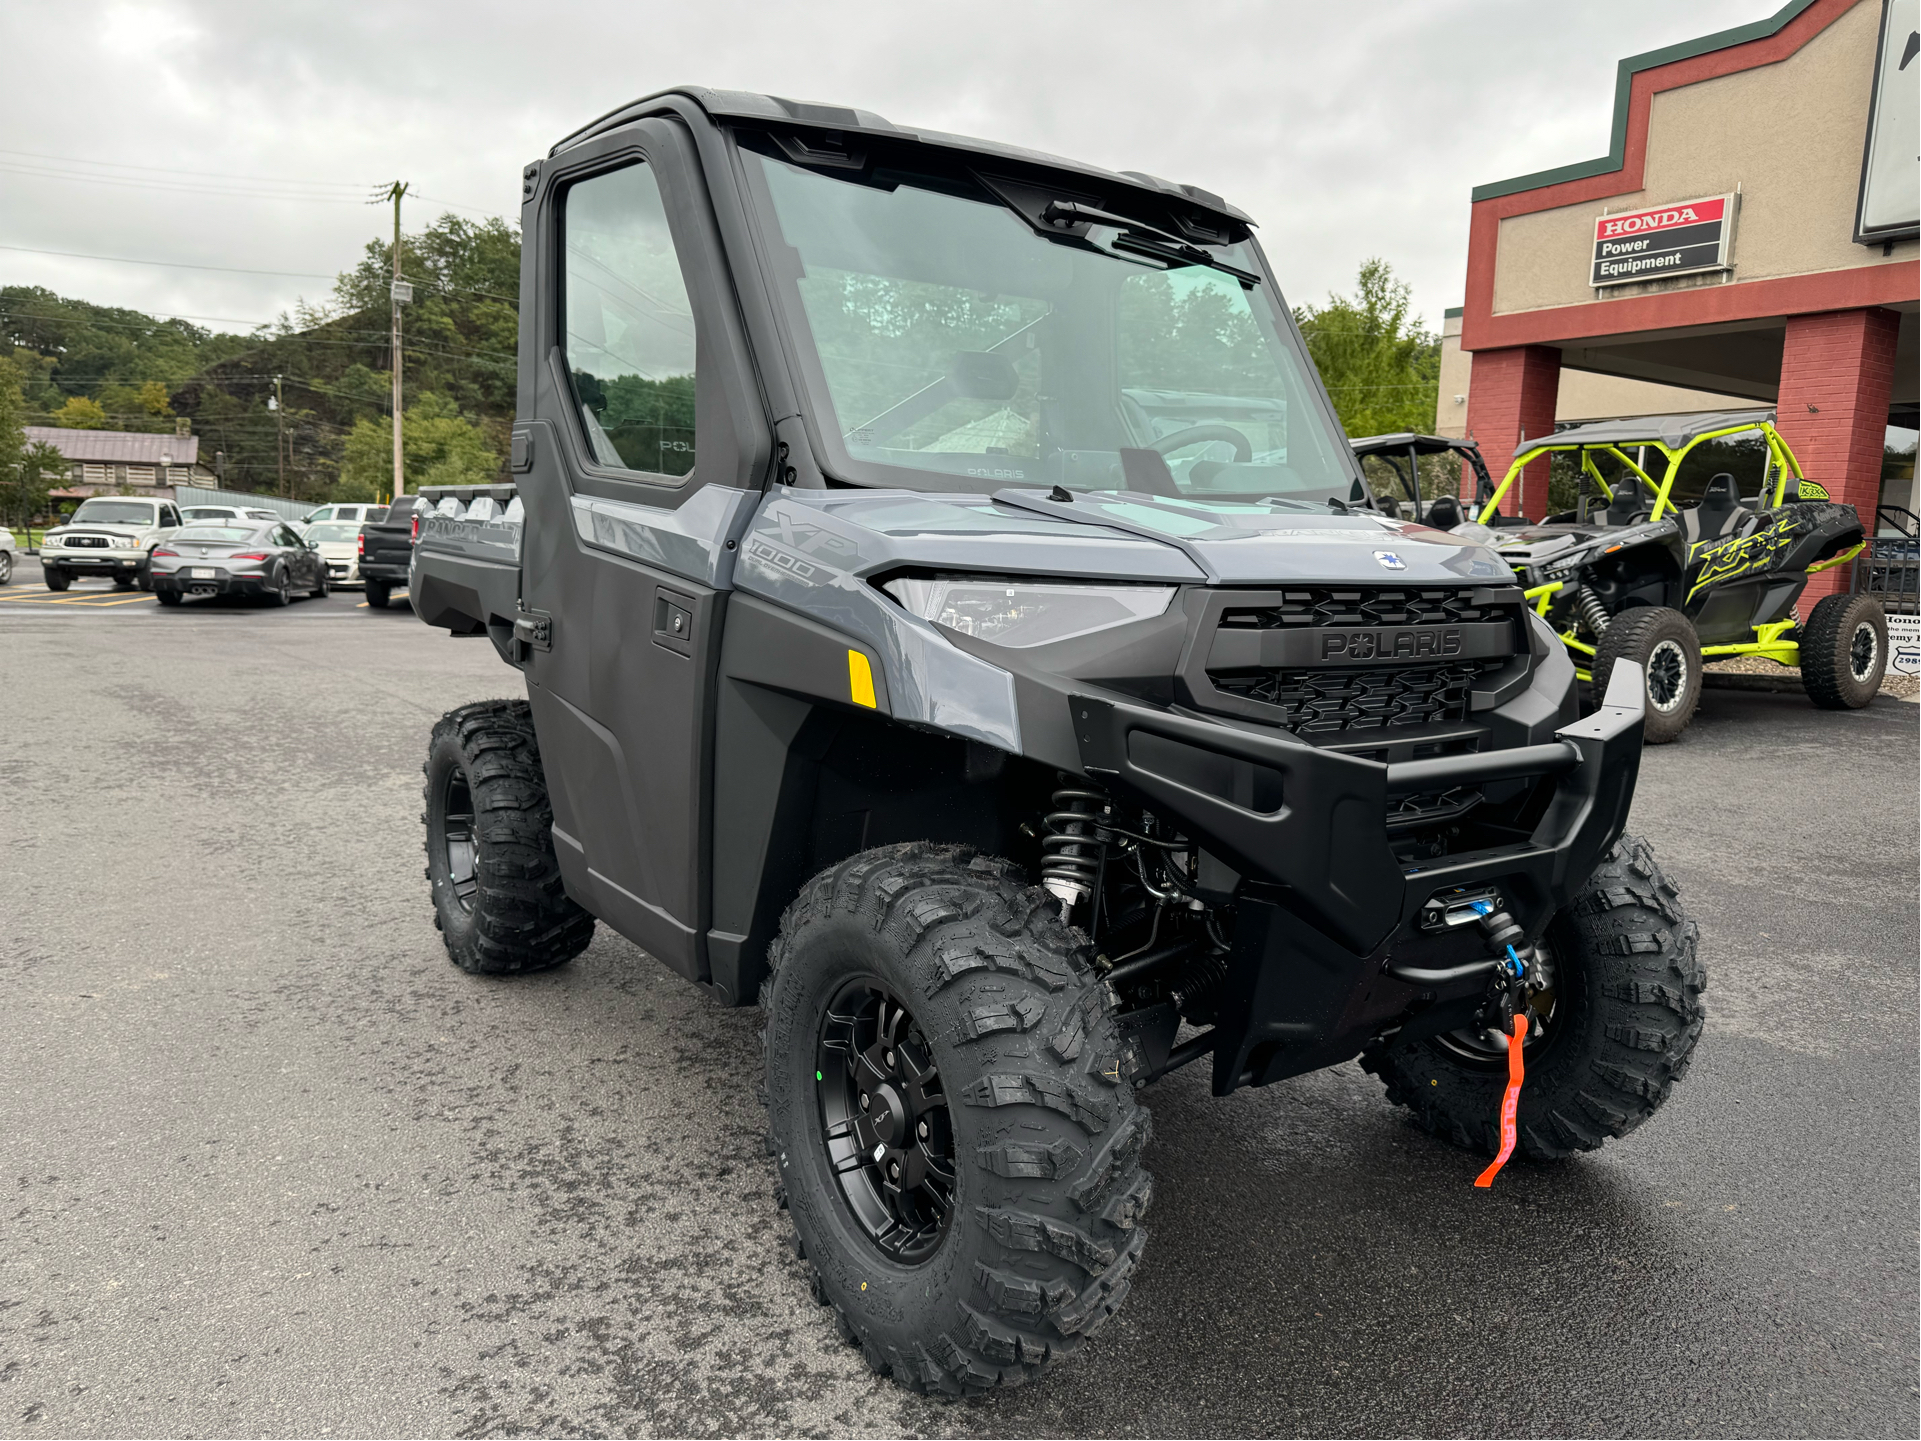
(269, 562)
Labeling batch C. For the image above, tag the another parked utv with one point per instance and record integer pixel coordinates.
(1634, 572)
(952, 619)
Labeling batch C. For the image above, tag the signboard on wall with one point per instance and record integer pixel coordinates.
(1890, 203)
(1682, 238)
(1904, 644)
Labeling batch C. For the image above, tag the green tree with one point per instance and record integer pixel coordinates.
(81, 413)
(27, 472)
(441, 447)
(1380, 365)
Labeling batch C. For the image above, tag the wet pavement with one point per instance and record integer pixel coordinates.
(276, 1168)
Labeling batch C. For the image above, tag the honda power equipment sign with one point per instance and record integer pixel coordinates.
(1679, 239)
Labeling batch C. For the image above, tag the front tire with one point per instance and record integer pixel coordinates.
(996, 1225)
(1623, 1021)
(6, 566)
(378, 594)
(1844, 651)
(58, 580)
(498, 897)
(1663, 643)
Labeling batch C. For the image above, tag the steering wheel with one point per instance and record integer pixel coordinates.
(1195, 434)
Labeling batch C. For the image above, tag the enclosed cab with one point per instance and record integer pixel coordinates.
(952, 618)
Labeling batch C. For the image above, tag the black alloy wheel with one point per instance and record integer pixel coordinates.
(458, 851)
(6, 566)
(884, 1116)
(1864, 651)
(280, 592)
(1667, 676)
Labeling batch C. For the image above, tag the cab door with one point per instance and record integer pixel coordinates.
(635, 462)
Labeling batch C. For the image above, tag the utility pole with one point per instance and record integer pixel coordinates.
(280, 435)
(400, 293)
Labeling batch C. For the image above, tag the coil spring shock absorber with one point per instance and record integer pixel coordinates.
(1592, 611)
(1071, 851)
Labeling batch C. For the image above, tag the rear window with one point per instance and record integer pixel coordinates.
(235, 533)
(329, 532)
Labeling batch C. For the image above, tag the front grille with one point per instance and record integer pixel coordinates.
(1366, 605)
(98, 541)
(1340, 702)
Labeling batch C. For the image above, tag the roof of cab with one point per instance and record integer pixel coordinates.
(774, 109)
(1402, 441)
(1673, 431)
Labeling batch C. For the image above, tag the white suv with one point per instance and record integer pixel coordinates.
(110, 535)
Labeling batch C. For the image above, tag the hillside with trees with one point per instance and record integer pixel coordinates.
(100, 367)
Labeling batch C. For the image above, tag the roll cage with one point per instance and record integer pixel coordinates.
(1410, 446)
(1671, 438)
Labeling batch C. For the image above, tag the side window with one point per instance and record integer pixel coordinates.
(629, 338)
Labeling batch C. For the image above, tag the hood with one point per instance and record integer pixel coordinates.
(1259, 543)
(121, 528)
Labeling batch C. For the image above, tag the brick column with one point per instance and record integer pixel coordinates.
(1510, 397)
(1837, 373)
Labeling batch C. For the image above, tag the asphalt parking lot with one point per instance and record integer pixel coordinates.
(276, 1168)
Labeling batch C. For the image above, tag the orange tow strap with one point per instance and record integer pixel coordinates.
(1510, 1103)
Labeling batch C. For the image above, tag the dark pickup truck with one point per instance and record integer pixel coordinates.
(387, 548)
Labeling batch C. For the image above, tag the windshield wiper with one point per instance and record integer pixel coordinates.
(1138, 236)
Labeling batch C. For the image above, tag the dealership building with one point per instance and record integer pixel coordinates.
(1750, 238)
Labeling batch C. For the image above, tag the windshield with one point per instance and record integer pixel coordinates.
(113, 512)
(208, 512)
(955, 348)
(333, 533)
(232, 533)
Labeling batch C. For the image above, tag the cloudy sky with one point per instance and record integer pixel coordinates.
(248, 135)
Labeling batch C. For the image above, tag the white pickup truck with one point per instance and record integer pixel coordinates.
(109, 535)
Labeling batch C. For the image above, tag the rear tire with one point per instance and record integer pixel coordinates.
(498, 898)
(58, 580)
(378, 594)
(1627, 1014)
(1844, 651)
(126, 582)
(280, 592)
(1035, 1121)
(167, 596)
(6, 566)
(319, 592)
(1663, 643)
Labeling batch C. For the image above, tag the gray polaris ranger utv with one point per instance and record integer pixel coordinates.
(953, 621)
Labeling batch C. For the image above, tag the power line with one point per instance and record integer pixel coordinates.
(169, 186)
(171, 264)
(209, 174)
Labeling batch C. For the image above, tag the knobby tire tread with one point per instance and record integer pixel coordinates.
(1033, 1055)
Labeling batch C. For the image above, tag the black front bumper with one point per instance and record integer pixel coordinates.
(1325, 907)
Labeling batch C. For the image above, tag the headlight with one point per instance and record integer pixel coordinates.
(1026, 614)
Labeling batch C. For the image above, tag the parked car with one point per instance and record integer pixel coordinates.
(387, 547)
(357, 513)
(218, 514)
(267, 561)
(338, 542)
(109, 535)
(7, 553)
